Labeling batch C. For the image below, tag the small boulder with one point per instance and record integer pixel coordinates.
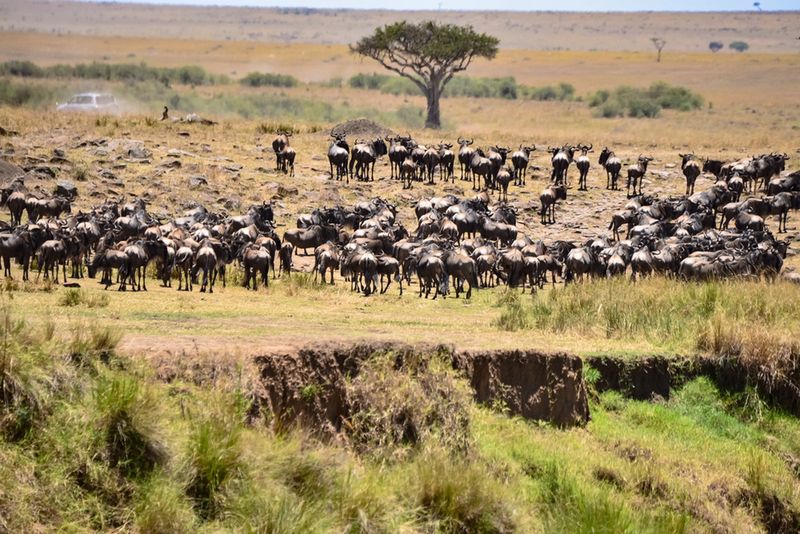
(197, 181)
(66, 189)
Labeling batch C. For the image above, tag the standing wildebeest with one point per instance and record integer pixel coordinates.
(286, 158)
(519, 160)
(497, 156)
(562, 157)
(446, 161)
(503, 178)
(691, 170)
(365, 154)
(16, 205)
(636, 174)
(326, 257)
(583, 164)
(206, 259)
(312, 237)
(285, 254)
(461, 268)
(548, 199)
(465, 152)
(256, 261)
(338, 156)
(408, 172)
(397, 153)
(714, 166)
(430, 160)
(279, 144)
(613, 165)
(480, 166)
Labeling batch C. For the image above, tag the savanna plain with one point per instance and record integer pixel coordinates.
(162, 411)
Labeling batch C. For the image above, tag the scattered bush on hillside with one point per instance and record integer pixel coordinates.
(715, 46)
(626, 101)
(268, 79)
(406, 404)
(739, 46)
(126, 72)
(464, 86)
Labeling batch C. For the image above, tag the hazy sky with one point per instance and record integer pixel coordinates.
(523, 5)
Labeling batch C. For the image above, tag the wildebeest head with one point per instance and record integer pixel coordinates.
(604, 155)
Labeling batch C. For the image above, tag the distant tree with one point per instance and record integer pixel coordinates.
(428, 54)
(715, 46)
(659, 43)
(739, 46)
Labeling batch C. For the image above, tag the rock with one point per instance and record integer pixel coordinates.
(107, 174)
(42, 171)
(9, 171)
(66, 189)
(670, 166)
(284, 191)
(138, 151)
(197, 180)
(171, 164)
(7, 133)
(230, 203)
(261, 169)
(233, 168)
(174, 153)
(184, 134)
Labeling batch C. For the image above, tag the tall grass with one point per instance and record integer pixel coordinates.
(667, 314)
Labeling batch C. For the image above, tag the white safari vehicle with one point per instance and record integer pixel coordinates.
(101, 102)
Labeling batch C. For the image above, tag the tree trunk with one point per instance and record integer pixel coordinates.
(433, 120)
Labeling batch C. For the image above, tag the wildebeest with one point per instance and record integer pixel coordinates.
(480, 167)
(279, 144)
(365, 154)
(286, 158)
(312, 237)
(562, 157)
(446, 161)
(636, 174)
(613, 165)
(583, 164)
(548, 199)
(465, 152)
(520, 160)
(691, 170)
(338, 156)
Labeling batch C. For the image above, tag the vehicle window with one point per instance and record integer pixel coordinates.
(84, 99)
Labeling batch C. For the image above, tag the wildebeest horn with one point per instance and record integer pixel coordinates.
(460, 140)
(591, 146)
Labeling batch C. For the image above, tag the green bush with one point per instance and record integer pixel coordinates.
(127, 416)
(368, 81)
(395, 85)
(26, 69)
(28, 94)
(739, 46)
(626, 101)
(268, 79)
(214, 455)
(126, 72)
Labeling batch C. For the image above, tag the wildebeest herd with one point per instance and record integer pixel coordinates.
(457, 243)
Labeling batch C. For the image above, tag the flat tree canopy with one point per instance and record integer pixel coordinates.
(427, 53)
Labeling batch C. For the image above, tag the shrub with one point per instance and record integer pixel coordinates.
(562, 92)
(367, 81)
(715, 46)
(214, 455)
(458, 496)
(626, 101)
(739, 46)
(408, 403)
(514, 315)
(127, 416)
(164, 509)
(268, 79)
(25, 69)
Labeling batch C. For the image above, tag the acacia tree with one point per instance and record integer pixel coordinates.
(429, 54)
(659, 43)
